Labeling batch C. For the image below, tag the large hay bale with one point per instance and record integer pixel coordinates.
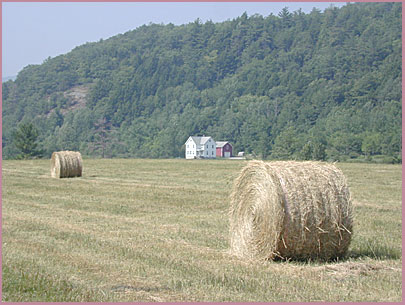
(66, 164)
(288, 209)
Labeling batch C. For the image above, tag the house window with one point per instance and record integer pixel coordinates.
(212, 146)
(212, 153)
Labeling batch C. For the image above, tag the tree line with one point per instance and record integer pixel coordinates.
(323, 85)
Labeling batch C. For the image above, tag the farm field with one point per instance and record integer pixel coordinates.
(158, 230)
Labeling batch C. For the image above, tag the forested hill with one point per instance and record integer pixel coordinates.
(304, 86)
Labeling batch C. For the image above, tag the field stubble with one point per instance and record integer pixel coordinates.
(158, 230)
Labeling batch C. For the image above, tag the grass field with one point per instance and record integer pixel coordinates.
(157, 230)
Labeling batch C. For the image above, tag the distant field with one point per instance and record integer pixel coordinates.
(157, 230)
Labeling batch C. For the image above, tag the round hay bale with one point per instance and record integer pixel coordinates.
(290, 210)
(66, 164)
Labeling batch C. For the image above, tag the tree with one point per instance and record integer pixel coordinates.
(285, 16)
(371, 144)
(105, 137)
(319, 151)
(313, 150)
(286, 144)
(306, 151)
(25, 140)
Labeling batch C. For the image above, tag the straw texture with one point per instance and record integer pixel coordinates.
(65, 164)
(289, 209)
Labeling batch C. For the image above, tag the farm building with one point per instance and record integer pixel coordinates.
(224, 149)
(200, 147)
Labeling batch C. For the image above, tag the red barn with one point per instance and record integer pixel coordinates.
(224, 149)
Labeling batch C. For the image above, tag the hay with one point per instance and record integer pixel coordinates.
(66, 164)
(290, 210)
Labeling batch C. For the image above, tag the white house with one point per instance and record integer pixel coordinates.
(200, 147)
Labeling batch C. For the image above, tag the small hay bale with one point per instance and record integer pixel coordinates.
(66, 164)
(290, 210)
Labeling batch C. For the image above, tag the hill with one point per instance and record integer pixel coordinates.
(7, 78)
(323, 85)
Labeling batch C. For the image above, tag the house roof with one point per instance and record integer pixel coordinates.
(221, 144)
(200, 140)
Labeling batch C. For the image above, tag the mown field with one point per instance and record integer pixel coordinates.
(157, 230)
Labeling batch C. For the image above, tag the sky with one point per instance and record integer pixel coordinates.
(34, 31)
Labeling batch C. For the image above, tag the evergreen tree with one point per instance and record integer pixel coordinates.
(25, 140)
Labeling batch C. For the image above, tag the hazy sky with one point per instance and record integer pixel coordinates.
(33, 31)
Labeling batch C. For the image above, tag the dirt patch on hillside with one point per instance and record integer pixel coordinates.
(77, 98)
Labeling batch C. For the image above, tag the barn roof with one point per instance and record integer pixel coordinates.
(221, 144)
